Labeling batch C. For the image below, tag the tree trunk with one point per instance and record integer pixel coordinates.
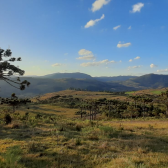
(81, 112)
(167, 110)
(13, 109)
(95, 115)
(109, 111)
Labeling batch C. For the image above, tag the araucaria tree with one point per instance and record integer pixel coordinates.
(7, 70)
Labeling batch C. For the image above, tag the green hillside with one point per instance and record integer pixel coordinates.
(42, 86)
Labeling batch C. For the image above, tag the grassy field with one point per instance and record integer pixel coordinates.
(82, 94)
(147, 91)
(51, 137)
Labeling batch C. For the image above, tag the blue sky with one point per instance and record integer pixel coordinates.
(97, 37)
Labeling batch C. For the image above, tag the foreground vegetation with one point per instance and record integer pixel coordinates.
(48, 134)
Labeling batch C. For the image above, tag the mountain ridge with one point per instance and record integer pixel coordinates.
(49, 84)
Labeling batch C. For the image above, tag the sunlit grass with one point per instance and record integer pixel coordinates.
(157, 92)
(55, 138)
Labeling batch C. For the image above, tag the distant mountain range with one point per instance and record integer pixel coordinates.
(79, 75)
(62, 81)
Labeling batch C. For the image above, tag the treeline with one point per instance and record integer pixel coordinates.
(140, 106)
(105, 91)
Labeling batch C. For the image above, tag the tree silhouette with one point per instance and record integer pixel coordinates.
(14, 101)
(7, 70)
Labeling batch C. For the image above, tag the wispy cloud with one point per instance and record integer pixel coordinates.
(134, 58)
(133, 67)
(129, 28)
(56, 65)
(137, 57)
(84, 52)
(119, 45)
(66, 54)
(153, 66)
(86, 55)
(96, 63)
(162, 70)
(93, 22)
(115, 28)
(137, 7)
(98, 4)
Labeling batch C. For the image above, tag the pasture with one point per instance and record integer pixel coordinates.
(48, 136)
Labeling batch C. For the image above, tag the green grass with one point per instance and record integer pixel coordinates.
(156, 92)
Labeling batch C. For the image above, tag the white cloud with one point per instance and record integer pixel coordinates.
(134, 58)
(137, 57)
(86, 55)
(56, 64)
(137, 7)
(119, 45)
(93, 22)
(120, 61)
(162, 70)
(129, 28)
(98, 4)
(84, 52)
(66, 54)
(96, 63)
(152, 65)
(133, 67)
(115, 28)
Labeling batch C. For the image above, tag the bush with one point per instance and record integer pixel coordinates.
(78, 141)
(7, 119)
(78, 127)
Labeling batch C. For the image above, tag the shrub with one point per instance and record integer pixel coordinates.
(7, 119)
(78, 127)
(78, 141)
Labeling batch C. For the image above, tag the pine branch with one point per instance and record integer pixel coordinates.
(10, 80)
(11, 84)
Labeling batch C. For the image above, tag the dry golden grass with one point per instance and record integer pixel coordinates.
(68, 142)
(112, 144)
(81, 94)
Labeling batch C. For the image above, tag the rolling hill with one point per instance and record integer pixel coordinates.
(62, 81)
(76, 75)
(114, 78)
(46, 85)
(148, 81)
(79, 75)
